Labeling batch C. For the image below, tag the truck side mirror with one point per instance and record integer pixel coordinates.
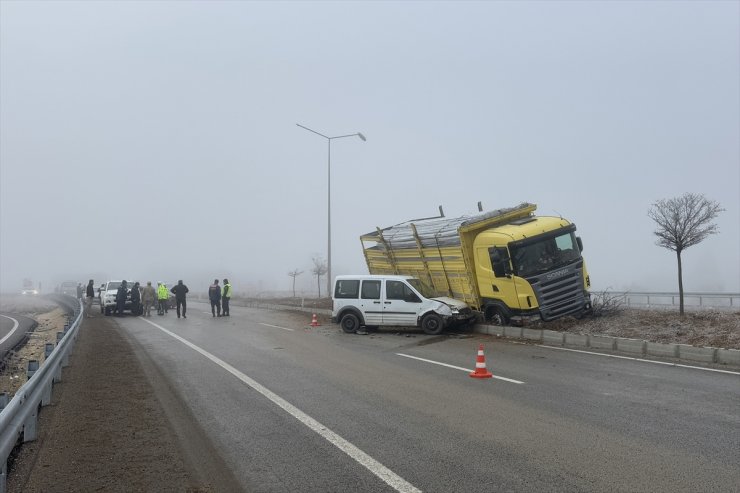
(580, 243)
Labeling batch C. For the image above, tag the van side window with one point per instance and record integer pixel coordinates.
(370, 290)
(347, 288)
(396, 290)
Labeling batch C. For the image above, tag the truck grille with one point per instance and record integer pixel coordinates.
(560, 292)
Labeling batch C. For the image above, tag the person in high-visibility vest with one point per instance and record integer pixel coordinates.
(225, 297)
(162, 296)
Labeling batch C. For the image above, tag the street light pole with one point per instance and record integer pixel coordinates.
(328, 198)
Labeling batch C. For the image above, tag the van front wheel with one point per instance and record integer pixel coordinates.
(350, 323)
(432, 324)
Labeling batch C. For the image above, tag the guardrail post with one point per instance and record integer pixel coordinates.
(30, 426)
(3, 477)
(60, 335)
(33, 366)
(4, 400)
(48, 348)
(46, 397)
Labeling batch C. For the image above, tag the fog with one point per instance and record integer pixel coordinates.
(158, 140)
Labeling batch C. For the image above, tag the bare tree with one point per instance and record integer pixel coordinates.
(319, 269)
(295, 274)
(683, 222)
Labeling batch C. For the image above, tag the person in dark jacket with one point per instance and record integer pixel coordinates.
(90, 294)
(121, 297)
(135, 299)
(214, 294)
(180, 291)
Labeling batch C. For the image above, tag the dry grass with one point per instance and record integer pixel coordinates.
(702, 328)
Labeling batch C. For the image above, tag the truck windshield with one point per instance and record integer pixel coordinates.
(547, 254)
(421, 288)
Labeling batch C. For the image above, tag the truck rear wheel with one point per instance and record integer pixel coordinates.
(350, 323)
(432, 324)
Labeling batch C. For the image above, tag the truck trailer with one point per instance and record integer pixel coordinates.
(506, 264)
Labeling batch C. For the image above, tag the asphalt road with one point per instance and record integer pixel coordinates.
(13, 329)
(293, 408)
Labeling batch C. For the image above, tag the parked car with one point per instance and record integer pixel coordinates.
(378, 300)
(108, 297)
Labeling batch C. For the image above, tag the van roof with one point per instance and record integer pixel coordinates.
(372, 276)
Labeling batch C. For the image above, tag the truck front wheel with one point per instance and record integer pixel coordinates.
(496, 316)
(432, 324)
(350, 323)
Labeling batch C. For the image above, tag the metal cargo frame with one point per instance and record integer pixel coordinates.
(437, 250)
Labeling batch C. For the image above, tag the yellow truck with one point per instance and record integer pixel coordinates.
(507, 264)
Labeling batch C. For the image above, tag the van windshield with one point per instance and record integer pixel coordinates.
(423, 289)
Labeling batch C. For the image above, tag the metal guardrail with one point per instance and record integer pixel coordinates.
(703, 301)
(18, 418)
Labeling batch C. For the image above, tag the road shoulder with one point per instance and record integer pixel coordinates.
(106, 428)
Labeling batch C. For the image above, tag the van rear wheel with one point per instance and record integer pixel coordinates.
(350, 323)
(432, 324)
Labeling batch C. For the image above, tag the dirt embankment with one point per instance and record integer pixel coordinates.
(51, 319)
(702, 328)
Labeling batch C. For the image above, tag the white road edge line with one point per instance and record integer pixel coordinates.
(455, 367)
(276, 326)
(389, 477)
(15, 326)
(667, 363)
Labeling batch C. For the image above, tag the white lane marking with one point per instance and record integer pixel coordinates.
(276, 326)
(455, 367)
(667, 363)
(15, 326)
(389, 477)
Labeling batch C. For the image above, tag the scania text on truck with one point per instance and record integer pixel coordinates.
(507, 263)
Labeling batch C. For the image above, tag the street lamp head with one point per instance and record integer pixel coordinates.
(361, 136)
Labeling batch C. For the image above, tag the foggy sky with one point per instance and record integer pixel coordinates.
(158, 140)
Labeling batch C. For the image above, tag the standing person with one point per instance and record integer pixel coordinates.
(79, 290)
(214, 294)
(162, 297)
(121, 297)
(149, 297)
(225, 298)
(90, 293)
(135, 299)
(180, 291)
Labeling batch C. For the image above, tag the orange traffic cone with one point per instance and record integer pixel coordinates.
(480, 365)
(315, 321)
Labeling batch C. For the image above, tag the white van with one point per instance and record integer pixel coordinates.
(377, 300)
